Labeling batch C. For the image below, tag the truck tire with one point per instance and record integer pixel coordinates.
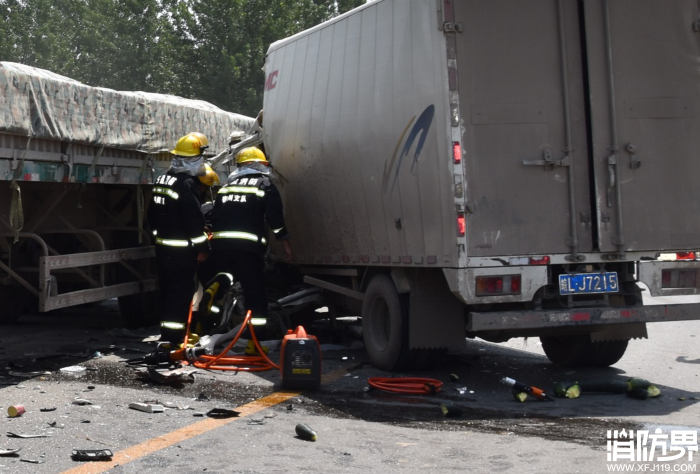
(385, 325)
(12, 304)
(578, 351)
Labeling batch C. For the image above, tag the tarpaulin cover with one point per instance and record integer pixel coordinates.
(38, 103)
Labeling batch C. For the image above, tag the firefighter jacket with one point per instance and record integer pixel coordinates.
(174, 214)
(242, 210)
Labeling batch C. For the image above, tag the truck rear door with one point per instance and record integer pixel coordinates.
(580, 124)
(522, 102)
(644, 81)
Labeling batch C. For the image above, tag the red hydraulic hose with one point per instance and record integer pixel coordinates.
(410, 385)
(238, 363)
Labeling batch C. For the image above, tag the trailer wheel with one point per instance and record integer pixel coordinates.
(578, 351)
(12, 304)
(385, 325)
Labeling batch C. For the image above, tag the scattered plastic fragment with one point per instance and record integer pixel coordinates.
(9, 452)
(33, 461)
(202, 397)
(147, 407)
(82, 401)
(45, 409)
(461, 390)
(454, 377)
(91, 454)
(222, 413)
(73, 370)
(16, 435)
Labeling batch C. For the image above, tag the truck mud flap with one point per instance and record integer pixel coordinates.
(510, 320)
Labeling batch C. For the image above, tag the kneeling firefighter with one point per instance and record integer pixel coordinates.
(177, 223)
(245, 206)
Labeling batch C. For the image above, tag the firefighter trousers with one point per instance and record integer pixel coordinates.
(177, 270)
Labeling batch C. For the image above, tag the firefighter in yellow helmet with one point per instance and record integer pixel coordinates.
(177, 222)
(246, 207)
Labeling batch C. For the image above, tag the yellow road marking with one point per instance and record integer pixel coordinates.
(160, 442)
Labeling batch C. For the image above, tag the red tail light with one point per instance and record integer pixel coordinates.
(498, 285)
(456, 153)
(461, 225)
(685, 255)
(539, 260)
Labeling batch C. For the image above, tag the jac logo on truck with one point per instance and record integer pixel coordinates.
(421, 127)
(271, 80)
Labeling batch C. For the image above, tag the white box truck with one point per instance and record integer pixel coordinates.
(493, 169)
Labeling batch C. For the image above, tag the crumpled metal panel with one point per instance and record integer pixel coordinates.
(35, 102)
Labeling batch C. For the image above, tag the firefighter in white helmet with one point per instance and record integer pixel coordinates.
(177, 223)
(245, 207)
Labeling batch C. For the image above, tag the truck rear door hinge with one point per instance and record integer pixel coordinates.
(449, 27)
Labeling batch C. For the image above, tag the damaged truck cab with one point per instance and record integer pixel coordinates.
(493, 169)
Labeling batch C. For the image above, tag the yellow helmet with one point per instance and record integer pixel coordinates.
(189, 145)
(249, 154)
(202, 138)
(211, 178)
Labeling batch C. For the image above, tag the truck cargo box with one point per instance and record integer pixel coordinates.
(532, 160)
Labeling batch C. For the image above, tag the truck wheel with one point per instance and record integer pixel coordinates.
(385, 325)
(578, 351)
(12, 304)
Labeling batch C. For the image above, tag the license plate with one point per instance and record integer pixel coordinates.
(581, 283)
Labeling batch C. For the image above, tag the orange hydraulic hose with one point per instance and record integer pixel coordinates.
(238, 363)
(412, 385)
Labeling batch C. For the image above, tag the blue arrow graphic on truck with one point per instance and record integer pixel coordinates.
(421, 127)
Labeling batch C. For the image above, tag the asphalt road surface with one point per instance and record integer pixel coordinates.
(358, 430)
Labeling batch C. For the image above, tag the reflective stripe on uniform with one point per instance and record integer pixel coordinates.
(166, 192)
(242, 189)
(173, 242)
(277, 231)
(182, 243)
(172, 325)
(200, 239)
(238, 235)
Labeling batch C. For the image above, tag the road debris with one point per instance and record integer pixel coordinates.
(305, 432)
(638, 388)
(222, 413)
(91, 455)
(16, 435)
(166, 376)
(82, 401)
(450, 410)
(73, 370)
(9, 452)
(530, 390)
(147, 407)
(15, 410)
(47, 409)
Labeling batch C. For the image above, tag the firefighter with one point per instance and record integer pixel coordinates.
(176, 220)
(245, 206)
